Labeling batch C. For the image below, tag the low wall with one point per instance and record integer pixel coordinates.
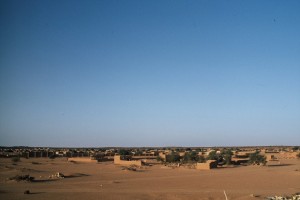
(82, 159)
(287, 155)
(118, 161)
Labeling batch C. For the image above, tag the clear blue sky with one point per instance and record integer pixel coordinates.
(149, 73)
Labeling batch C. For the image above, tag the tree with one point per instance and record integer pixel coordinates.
(295, 148)
(173, 157)
(257, 159)
(201, 159)
(212, 156)
(124, 152)
(159, 159)
(52, 156)
(226, 156)
(190, 157)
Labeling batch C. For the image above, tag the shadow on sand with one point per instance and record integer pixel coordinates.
(76, 175)
(44, 180)
(279, 165)
(36, 193)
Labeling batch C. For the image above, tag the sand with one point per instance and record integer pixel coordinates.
(108, 181)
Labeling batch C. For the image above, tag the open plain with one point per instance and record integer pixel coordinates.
(105, 180)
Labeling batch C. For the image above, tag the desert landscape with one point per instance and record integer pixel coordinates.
(149, 100)
(106, 180)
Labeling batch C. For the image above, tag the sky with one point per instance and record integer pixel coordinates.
(149, 73)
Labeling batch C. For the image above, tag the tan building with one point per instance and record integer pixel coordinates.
(119, 161)
(209, 164)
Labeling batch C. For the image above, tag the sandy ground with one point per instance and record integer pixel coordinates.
(107, 181)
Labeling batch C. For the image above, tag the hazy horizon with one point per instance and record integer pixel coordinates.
(149, 73)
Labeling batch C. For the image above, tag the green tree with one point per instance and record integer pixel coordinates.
(201, 159)
(257, 159)
(124, 152)
(295, 148)
(191, 157)
(212, 156)
(159, 159)
(173, 157)
(226, 156)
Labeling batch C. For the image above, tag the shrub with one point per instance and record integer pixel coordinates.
(190, 157)
(15, 159)
(298, 155)
(124, 152)
(212, 156)
(226, 156)
(52, 156)
(295, 148)
(22, 178)
(173, 157)
(159, 159)
(201, 159)
(257, 159)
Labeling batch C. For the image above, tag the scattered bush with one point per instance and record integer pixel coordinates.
(295, 148)
(190, 157)
(212, 156)
(26, 192)
(22, 178)
(15, 159)
(173, 157)
(201, 159)
(52, 156)
(193, 157)
(159, 159)
(257, 159)
(124, 152)
(226, 155)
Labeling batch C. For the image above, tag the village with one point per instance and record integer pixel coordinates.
(201, 157)
(185, 172)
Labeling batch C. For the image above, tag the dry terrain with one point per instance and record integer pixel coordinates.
(107, 181)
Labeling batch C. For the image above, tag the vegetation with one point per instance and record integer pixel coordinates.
(52, 156)
(226, 155)
(124, 152)
(138, 153)
(159, 159)
(298, 155)
(257, 159)
(173, 157)
(22, 178)
(99, 157)
(212, 156)
(192, 157)
(201, 159)
(223, 158)
(295, 148)
(15, 159)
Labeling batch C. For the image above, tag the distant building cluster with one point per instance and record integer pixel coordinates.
(202, 158)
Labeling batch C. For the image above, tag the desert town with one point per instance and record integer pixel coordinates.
(28, 170)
